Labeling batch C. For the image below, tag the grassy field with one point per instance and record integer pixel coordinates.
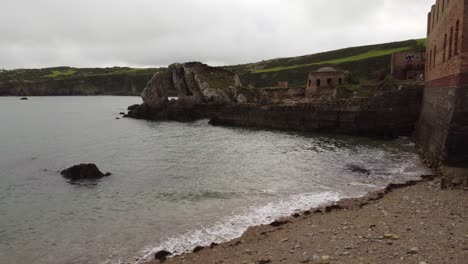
(56, 74)
(64, 73)
(362, 56)
(363, 63)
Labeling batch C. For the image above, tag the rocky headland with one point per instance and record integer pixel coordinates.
(202, 92)
(217, 94)
(65, 81)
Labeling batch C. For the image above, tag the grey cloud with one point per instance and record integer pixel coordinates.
(42, 33)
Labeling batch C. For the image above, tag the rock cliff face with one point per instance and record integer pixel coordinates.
(387, 115)
(202, 91)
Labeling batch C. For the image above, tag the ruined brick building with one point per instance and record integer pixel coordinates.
(323, 78)
(408, 65)
(442, 132)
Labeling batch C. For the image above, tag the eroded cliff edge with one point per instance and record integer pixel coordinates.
(202, 92)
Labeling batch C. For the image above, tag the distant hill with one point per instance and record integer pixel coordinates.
(75, 81)
(362, 63)
(365, 62)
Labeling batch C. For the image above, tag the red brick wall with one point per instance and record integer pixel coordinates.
(282, 84)
(442, 18)
(442, 133)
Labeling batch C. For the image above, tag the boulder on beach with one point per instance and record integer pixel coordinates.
(83, 172)
(162, 255)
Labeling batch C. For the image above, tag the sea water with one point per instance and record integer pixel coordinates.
(173, 185)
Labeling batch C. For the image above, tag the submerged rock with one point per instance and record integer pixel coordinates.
(83, 172)
(358, 169)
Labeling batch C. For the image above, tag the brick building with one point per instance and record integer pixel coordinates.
(323, 78)
(442, 132)
(408, 65)
(282, 84)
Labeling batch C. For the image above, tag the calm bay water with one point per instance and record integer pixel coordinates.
(174, 185)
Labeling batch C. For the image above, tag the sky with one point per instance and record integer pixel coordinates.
(144, 33)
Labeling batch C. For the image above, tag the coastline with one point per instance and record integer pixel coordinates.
(430, 228)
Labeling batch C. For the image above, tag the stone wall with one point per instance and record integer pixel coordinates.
(388, 115)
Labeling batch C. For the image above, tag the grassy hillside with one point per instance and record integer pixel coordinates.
(362, 63)
(365, 63)
(60, 73)
(74, 81)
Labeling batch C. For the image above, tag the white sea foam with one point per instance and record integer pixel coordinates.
(233, 226)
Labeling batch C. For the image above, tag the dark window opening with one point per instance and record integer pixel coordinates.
(435, 57)
(457, 28)
(340, 81)
(430, 59)
(329, 81)
(310, 83)
(445, 48)
(318, 82)
(450, 43)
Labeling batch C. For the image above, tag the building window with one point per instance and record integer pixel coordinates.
(340, 81)
(430, 59)
(317, 83)
(329, 81)
(310, 83)
(457, 28)
(443, 6)
(435, 57)
(450, 43)
(445, 48)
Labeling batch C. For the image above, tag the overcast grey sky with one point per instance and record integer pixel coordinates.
(97, 33)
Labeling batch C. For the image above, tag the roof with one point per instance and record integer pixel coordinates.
(327, 69)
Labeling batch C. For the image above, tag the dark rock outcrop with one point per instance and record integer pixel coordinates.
(387, 115)
(357, 169)
(23, 98)
(83, 172)
(162, 255)
(202, 91)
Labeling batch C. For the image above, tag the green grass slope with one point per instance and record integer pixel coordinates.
(365, 63)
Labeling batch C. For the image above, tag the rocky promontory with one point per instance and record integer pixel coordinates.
(202, 92)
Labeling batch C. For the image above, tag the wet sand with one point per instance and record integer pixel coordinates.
(416, 222)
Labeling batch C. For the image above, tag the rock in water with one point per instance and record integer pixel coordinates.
(24, 98)
(201, 90)
(83, 172)
(162, 255)
(358, 169)
(132, 107)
